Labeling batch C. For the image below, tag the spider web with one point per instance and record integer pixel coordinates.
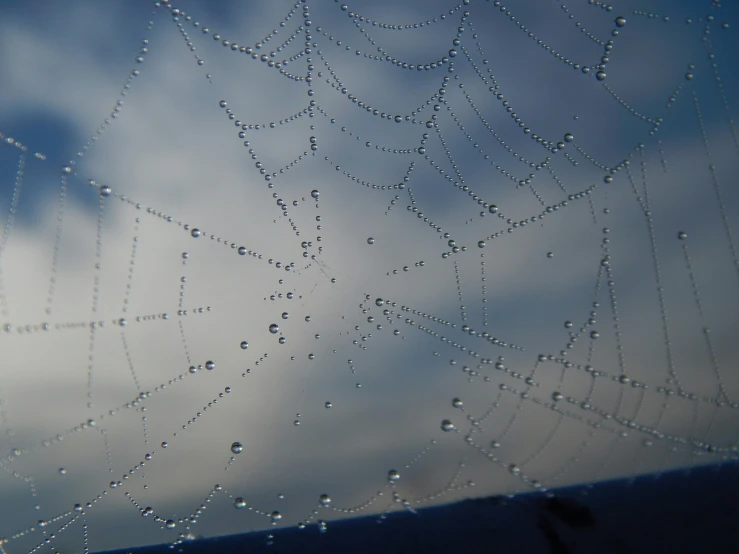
(321, 260)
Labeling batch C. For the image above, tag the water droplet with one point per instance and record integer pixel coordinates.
(594, 334)
(170, 524)
(568, 324)
(328, 405)
(285, 315)
(244, 345)
(457, 403)
(620, 21)
(66, 169)
(276, 516)
(105, 191)
(237, 448)
(569, 137)
(195, 233)
(682, 235)
(393, 475)
(379, 302)
(314, 194)
(493, 209)
(210, 365)
(447, 425)
(62, 471)
(325, 500)
(223, 104)
(601, 75)
(514, 469)
(240, 503)
(242, 250)
(274, 328)
(556, 396)
(370, 241)
(481, 244)
(164, 444)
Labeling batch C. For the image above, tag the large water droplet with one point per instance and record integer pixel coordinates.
(244, 345)
(325, 500)
(314, 194)
(274, 328)
(240, 503)
(237, 448)
(447, 425)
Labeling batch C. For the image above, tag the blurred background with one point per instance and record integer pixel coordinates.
(267, 264)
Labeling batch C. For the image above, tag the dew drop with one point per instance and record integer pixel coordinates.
(481, 244)
(325, 500)
(601, 75)
(237, 448)
(314, 194)
(457, 403)
(447, 425)
(244, 345)
(105, 191)
(274, 328)
(195, 233)
(370, 241)
(620, 21)
(393, 475)
(682, 235)
(239, 503)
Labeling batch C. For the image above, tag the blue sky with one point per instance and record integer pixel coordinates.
(162, 142)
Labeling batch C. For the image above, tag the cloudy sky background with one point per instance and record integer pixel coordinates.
(173, 151)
